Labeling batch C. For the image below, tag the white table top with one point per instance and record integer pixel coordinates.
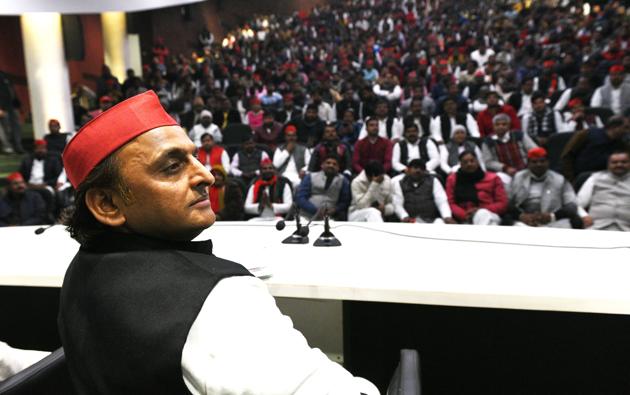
(498, 267)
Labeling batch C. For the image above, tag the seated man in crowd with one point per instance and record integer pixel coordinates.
(542, 121)
(614, 94)
(414, 147)
(41, 172)
(417, 116)
(372, 147)
(588, 150)
(457, 143)
(606, 195)
(246, 162)
(291, 158)
(205, 126)
(371, 195)
(226, 196)
(387, 125)
(325, 192)
(270, 196)
(485, 119)
(309, 127)
(577, 118)
(505, 152)
(212, 155)
(19, 206)
(542, 197)
(55, 140)
(331, 145)
(419, 197)
(270, 132)
(442, 125)
(476, 197)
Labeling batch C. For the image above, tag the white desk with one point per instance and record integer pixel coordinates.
(583, 272)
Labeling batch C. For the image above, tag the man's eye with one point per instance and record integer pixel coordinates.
(173, 167)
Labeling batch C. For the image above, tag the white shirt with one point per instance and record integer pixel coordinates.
(436, 127)
(278, 208)
(615, 99)
(198, 130)
(281, 155)
(14, 360)
(433, 161)
(479, 58)
(439, 196)
(397, 129)
(392, 95)
(240, 343)
(37, 172)
(526, 104)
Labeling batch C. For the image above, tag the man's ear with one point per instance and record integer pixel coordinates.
(100, 202)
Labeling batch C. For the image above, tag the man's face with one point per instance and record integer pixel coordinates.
(411, 134)
(268, 121)
(311, 114)
(416, 107)
(207, 142)
(54, 127)
(372, 127)
(469, 163)
(459, 136)
(616, 78)
(330, 133)
(528, 87)
(538, 166)
(492, 100)
(290, 137)
(219, 179)
(619, 164)
(249, 146)
(330, 167)
(206, 121)
(40, 151)
(267, 172)
(539, 105)
(167, 184)
(381, 110)
(501, 127)
(17, 187)
(415, 173)
(450, 107)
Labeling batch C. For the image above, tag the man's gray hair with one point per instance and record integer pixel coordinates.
(501, 117)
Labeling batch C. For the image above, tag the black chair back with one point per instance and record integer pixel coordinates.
(46, 377)
(554, 147)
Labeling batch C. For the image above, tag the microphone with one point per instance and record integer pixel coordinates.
(42, 229)
(327, 239)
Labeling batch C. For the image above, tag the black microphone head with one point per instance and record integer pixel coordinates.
(303, 231)
(280, 225)
(39, 231)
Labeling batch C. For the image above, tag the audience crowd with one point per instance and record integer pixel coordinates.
(420, 111)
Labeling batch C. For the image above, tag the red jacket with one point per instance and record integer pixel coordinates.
(364, 152)
(490, 193)
(484, 120)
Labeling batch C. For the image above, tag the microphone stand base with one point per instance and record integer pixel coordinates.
(295, 239)
(327, 239)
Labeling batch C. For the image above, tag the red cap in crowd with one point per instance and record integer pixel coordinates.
(15, 176)
(290, 129)
(111, 130)
(40, 142)
(616, 69)
(548, 64)
(105, 99)
(265, 162)
(537, 153)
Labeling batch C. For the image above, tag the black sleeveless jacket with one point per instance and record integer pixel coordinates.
(127, 305)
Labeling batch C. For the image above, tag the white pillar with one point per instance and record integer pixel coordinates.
(114, 42)
(46, 71)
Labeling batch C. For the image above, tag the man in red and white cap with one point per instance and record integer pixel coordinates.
(19, 206)
(291, 159)
(615, 93)
(143, 309)
(270, 196)
(41, 171)
(541, 197)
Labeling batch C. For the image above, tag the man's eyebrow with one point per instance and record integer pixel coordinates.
(172, 153)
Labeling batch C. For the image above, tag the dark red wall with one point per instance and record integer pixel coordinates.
(87, 70)
(12, 57)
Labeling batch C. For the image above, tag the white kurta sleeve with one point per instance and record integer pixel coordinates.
(287, 201)
(596, 100)
(241, 343)
(251, 207)
(396, 165)
(225, 161)
(473, 127)
(434, 156)
(279, 156)
(234, 166)
(441, 200)
(398, 200)
(436, 129)
(14, 360)
(586, 192)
